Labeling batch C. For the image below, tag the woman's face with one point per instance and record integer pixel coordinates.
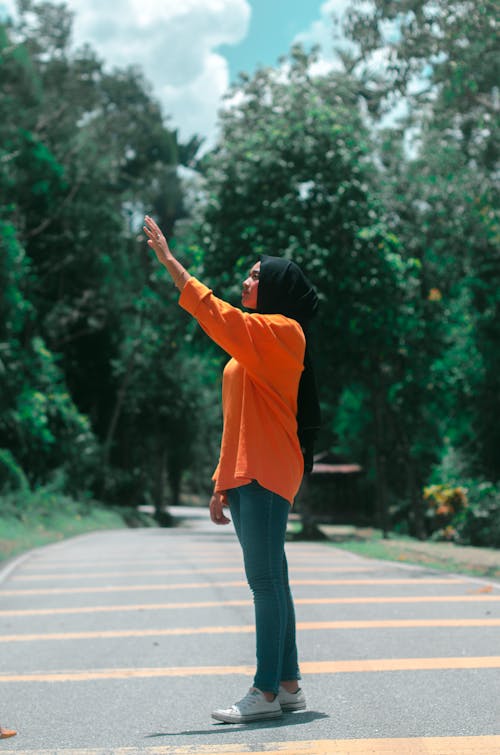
(250, 288)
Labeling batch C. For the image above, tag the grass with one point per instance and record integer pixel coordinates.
(444, 556)
(478, 562)
(384, 552)
(34, 530)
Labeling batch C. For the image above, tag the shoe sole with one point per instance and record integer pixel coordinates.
(290, 707)
(246, 719)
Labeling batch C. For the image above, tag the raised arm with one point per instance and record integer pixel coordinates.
(259, 342)
(263, 344)
(158, 242)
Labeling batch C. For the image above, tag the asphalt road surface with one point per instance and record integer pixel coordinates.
(123, 642)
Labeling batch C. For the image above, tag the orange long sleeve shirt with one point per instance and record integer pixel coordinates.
(259, 392)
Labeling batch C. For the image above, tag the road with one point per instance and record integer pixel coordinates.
(123, 642)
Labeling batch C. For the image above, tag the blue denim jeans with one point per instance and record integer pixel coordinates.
(260, 518)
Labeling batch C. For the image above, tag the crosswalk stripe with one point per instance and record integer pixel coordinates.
(312, 667)
(243, 629)
(35, 567)
(466, 745)
(479, 598)
(237, 583)
(174, 572)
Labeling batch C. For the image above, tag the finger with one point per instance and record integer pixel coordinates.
(218, 513)
(152, 224)
(222, 520)
(215, 512)
(153, 235)
(219, 517)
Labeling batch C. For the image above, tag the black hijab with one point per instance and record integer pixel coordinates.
(285, 290)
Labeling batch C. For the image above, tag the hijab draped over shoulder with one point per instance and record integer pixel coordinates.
(285, 290)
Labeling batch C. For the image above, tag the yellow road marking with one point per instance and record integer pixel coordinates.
(248, 628)
(119, 588)
(173, 553)
(314, 667)
(483, 598)
(221, 558)
(174, 572)
(238, 583)
(479, 745)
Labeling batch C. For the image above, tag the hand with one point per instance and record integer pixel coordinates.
(156, 240)
(217, 503)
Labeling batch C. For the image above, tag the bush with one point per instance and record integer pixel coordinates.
(479, 523)
(468, 514)
(40, 423)
(443, 503)
(42, 502)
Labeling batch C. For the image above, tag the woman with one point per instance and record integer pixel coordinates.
(261, 460)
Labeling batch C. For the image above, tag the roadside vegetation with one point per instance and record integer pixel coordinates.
(378, 176)
(37, 518)
(20, 534)
(449, 557)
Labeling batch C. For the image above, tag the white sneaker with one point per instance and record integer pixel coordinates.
(253, 707)
(291, 700)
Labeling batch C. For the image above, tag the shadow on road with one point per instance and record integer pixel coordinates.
(296, 719)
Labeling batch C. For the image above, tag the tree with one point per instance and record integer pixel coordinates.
(39, 423)
(294, 175)
(83, 153)
(441, 58)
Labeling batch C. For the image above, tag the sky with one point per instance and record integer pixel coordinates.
(191, 50)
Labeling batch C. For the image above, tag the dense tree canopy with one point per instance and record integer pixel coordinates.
(89, 332)
(104, 381)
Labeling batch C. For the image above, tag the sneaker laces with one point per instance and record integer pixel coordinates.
(253, 697)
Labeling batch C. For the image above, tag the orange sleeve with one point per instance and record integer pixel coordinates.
(250, 338)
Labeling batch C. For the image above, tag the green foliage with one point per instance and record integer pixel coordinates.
(42, 517)
(443, 58)
(12, 476)
(89, 332)
(469, 514)
(443, 503)
(440, 195)
(105, 384)
(43, 427)
(479, 523)
(14, 273)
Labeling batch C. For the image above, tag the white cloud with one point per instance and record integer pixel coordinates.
(174, 42)
(321, 32)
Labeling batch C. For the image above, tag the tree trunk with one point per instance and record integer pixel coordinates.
(380, 462)
(310, 530)
(416, 500)
(120, 398)
(162, 514)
